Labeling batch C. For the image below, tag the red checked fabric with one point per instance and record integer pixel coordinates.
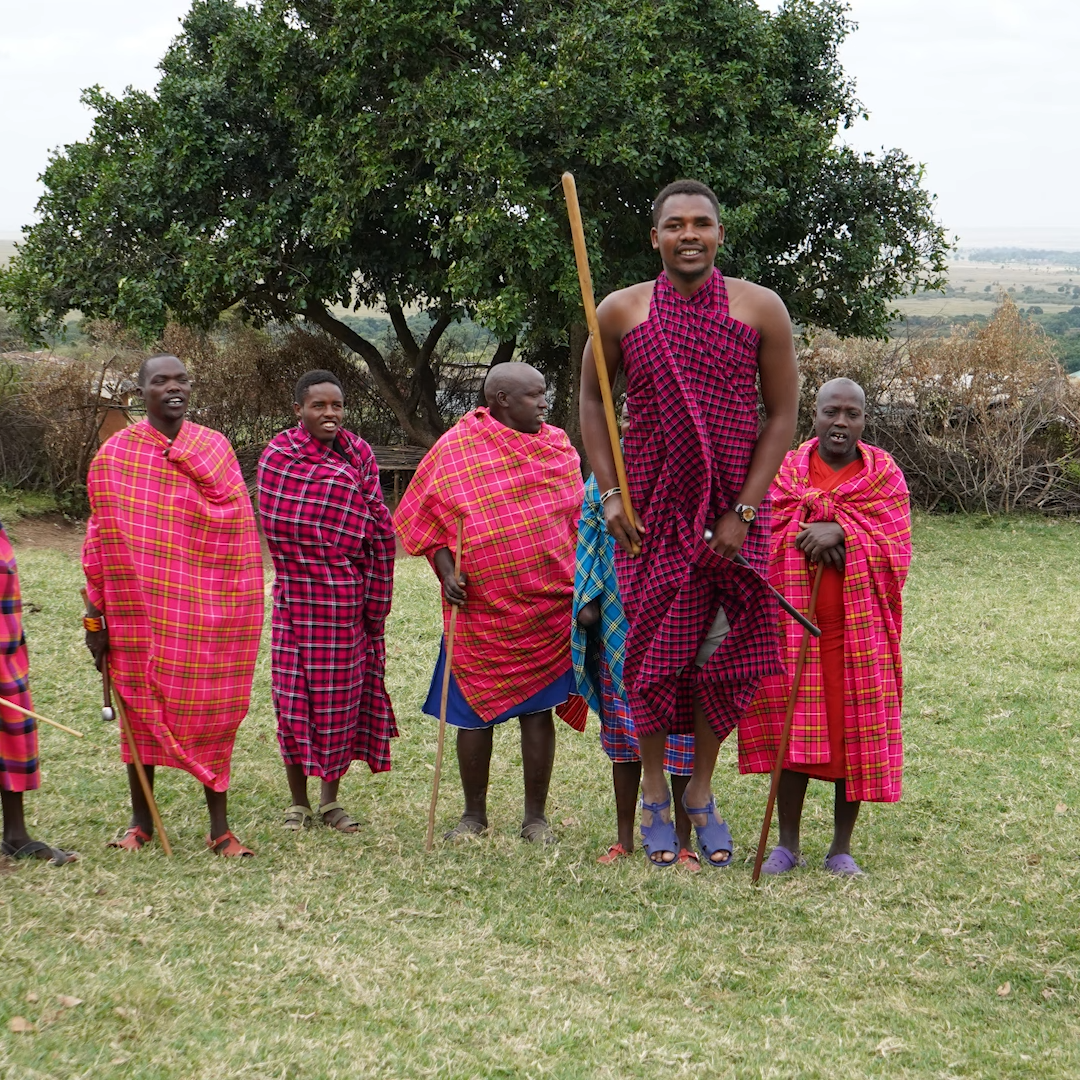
(692, 397)
(519, 496)
(18, 733)
(332, 543)
(172, 558)
(873, 510)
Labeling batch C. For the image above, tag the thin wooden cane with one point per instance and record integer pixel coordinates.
(443, 698)
(37, 716)
(144, 781)
(785, 735)
(581, 254)
(129, 735)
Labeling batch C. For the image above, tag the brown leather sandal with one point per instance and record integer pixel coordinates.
(228, 846)
(340, 820)
(133, 838)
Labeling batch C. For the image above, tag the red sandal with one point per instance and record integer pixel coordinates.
(616, 851)
(228, 846)
(132, 838)
(689, 860)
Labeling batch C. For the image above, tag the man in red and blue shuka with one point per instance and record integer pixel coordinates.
(703, 630)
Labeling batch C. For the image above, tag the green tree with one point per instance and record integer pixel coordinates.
(307, 155)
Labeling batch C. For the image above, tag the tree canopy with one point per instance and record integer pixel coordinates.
(307, 155)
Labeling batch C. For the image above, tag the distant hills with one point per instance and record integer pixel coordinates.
(1028, 256)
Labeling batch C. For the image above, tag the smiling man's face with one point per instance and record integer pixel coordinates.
(166, 390)
(687, 235)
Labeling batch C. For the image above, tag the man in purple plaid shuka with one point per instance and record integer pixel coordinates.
(332, 543)
(702, 629)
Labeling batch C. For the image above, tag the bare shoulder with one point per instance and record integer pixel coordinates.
(757, 306)
(619, 312)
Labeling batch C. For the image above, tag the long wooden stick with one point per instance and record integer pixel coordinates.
(785, 735)
(444, 697)
(144, 781)
(581, 254)
(37, 716)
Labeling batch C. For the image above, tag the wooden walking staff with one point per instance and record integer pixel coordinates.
(444, 696)
(581, 254)
(785, 734)
(37, 716)
(108, 715)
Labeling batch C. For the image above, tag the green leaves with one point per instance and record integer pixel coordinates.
(299, 155)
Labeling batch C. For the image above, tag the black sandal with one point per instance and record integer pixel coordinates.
(38, 849)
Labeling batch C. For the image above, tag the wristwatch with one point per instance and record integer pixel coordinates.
(747, 514)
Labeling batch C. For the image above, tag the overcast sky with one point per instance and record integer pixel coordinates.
(983, 92)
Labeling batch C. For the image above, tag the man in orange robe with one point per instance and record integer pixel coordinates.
(840, 504)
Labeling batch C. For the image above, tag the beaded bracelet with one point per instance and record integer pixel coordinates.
(93, 624)
(607, 494)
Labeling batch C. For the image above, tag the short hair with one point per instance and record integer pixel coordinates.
(684, 187)
(140, 378)
(313, 378)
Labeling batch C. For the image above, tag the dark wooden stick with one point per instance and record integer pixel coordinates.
(443, 698)
(581, 254)
(785, 734)
(806, 623)
(144, 781)
(129, 735)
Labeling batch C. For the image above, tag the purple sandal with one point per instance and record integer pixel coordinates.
(843, 866)
(713, 836)
(781, 860)
(659, 835)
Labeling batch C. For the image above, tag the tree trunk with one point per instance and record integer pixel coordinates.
(418, 413)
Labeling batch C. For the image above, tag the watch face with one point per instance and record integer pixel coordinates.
(747, 513)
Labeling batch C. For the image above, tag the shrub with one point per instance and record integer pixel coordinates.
(985, 420)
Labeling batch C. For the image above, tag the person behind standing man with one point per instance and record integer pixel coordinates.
(598, 646)
(332, 543)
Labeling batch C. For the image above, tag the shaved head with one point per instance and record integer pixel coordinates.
(839, 421)
(516, 395)
(841, 386)
(507, 378)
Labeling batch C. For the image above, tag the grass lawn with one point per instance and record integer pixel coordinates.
(332, 956)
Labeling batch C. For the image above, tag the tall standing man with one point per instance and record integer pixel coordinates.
(703, 631)
(513, 483)
(172, 561)
(840, 503)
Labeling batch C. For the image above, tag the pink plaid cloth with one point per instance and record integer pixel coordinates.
(18, 734)
(691, 374)
(873, 509)
(172, 558)
(519, 497)
(332, 543)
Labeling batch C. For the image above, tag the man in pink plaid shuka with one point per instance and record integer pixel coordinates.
(512, 483)
(172, 561)
(695, 346)
(841, 504)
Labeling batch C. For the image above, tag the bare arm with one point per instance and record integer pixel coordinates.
(780, 394)
(615, 315)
